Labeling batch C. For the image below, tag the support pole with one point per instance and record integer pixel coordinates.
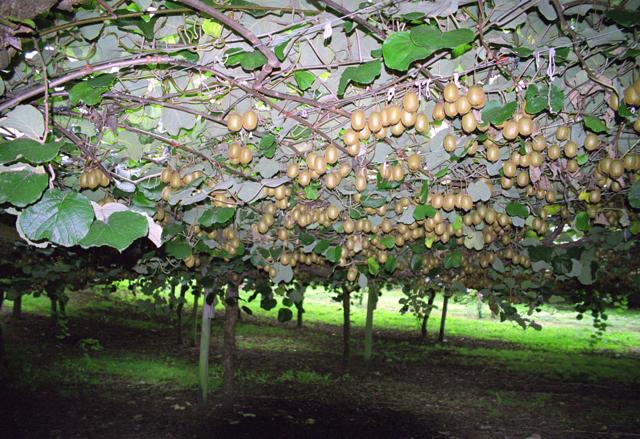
(208, 311)
(427, 314)
(372, 299)
(444, 317)
(229, 344)
(194, 318)
(346, 323)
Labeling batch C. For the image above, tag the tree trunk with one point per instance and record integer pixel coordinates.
(194, 319)
(346, 324)
(444, 318)
(17, 308)
(179, 308)
(300, 311)
(54, 308)
(425, 318)
(62, 307)
(368, 328)
(229, 344)
(208, 311)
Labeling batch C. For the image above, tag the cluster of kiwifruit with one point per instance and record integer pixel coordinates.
(292, 260)
(220, 199)
(450, 201)
(175, 181)
(192, 261)
(281, 194)
(456, 104)
(486, 258)
(609, 170)
(393, 116)
(92, 177)
(227, 235)
(247, 121)
(316, 166)
(516, 258)
(391, 172)
(239, 154)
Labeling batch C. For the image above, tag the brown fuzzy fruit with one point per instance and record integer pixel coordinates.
(410, 102)
(234, 122)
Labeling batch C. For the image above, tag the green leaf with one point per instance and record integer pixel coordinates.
(248, 60)
(90, 91)
(517, 209)
(388, 242)
(369, 201)
(495, 114)
(523, 52)
(284, 315)
(216, 215)
(63, 218)
(413, 16)
(178, 248)
(424, 191)
(119, 232)
(538, 98)
(390, 264)
(624, 17)
(30, 150)
(306, 239)
(635, 227)
(321, 247)
(422, 211)
(22, 188)
(399, 51)
(355, 213)
(27, 119)
(279, 50)
(304, 79)
(333, 254)
(461, 50)
(623, 110)
(594, 124)
(453, 259)
(212, 28)
(582, 159)
(634, 195)
(268, 146)
(457, 223)
(374, 266)
(433, 39)
(582, 221)
(311, 191)
(363, 74)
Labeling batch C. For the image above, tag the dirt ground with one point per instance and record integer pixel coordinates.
(439, 397)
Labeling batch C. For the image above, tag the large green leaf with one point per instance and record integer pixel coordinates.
(248, 60)
(304, 79)
(62, 217)
(423, 210)
(399, 51)
(517, 209)
(27, 119)
(216, 215)
(178, 248)
(433, 39)
(363, 74)
(29, 150)
(594, 124)
(582, 221)
(453, 259)
(22, 188)
(634, 195)
(495, 113)
(624, 17)
(539, 98)
(333, 254)
(90, 91)
(119, 232)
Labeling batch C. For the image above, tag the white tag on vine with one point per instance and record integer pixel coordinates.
(427, 88)
(551, 70)
(536, 55)
(456, 76)
(391, 93)
(328, 30)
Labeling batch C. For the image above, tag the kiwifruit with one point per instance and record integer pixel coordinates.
(364, 133)
(572, 166)
(616, 169)
(422, 123)
(591, 142)
(570, 149)
(595, 196)
(510, 130)
(234, 150)
(613, 101)
(539, 143)
(304, 177)
(476, 96)
(394, 113)
(631, 96)
(361, 183)
(350, 137)
(332, 180)
(381, 134)
(344, 169)
(408, 119)
(523, 178)
(292, 170)
(250, 120)
(463, 106)
(352, 274)
(469, 122)
(449, 143)
(525, 126)
(493, 153)
(166, 193)
(415, 162)
(438, 111)
(176, 181)
(536, 159)
(354, 149)
(397, 129)
(636, 125)
(375, 121)
(320, 165)
(331, 154)
(165, 175)
(410, 102)
(245, 155)
(450, 109)
(562, 133)
(84, 177)
(553, 153)
(604, 165)
(450, 92)
(358, 120)
(234, 122)
(509, 168)
(103, 179)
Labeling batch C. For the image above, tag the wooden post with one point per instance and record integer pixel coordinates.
(300, 311)
(229, 344)
(444, 317)
(16, 312)
(425, 318)
(346, 323)
(194, 318)
(179, 309)
(208, 311)
(372, 298)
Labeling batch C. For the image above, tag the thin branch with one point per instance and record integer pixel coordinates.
(237, 27)
(379, 33)
(45, 80)
(81, 145)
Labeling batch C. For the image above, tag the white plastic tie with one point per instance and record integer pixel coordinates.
(536, 55)
(551, 70)
(328, 30)
(456, 77)
(427, 88)
(391, 93)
